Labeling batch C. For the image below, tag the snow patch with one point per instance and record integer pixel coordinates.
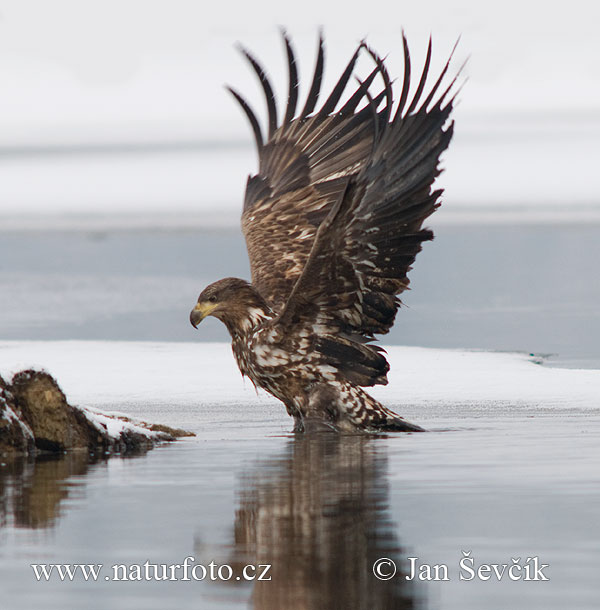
(8, 414)
(115, 425)
(112, 374)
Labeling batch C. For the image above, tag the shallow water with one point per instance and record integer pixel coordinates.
(319, 510)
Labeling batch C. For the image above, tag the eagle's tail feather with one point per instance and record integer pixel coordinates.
(395, 423)
(378, 417)
(345, 406)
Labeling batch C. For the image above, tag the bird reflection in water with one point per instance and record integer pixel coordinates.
(319, 515)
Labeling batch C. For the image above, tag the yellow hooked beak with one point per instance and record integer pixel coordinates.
(200, 312)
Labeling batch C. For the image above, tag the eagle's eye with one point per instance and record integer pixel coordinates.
(212, 299)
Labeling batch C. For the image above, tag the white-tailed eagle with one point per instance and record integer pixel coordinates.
(333, 221)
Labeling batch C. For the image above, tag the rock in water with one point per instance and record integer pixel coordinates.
(35, 416)
(15, 435)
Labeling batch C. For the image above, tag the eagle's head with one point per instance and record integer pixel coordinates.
(233, 301)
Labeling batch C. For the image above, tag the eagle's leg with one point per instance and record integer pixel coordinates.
(292, 411)
(318, 411)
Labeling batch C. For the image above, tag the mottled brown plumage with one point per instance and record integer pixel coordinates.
(333, 221)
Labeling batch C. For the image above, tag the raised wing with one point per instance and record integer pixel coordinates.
(304, 165)
(365, 247)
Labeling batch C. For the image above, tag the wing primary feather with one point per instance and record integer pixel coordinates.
(387, 84)
(315, 88)
(331, 102)
(350, 106)
(441, 78)
(376, 101)
(293, 84)
(268, 90)
(451, 85)
(251, 118)
(373, 107)
(421, 86)
(406, 81)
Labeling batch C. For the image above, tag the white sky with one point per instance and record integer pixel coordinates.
(128, 69)
(134, 71)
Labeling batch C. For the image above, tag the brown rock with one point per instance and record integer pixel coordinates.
(42, 404)
(35, 415)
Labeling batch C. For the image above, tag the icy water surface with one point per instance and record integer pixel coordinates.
(516, 288)
(321, 511)
(508, 483)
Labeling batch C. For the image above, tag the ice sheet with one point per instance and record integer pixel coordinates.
(109, 374)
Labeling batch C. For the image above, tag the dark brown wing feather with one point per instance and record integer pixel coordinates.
(303, 169)
(365, 247)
